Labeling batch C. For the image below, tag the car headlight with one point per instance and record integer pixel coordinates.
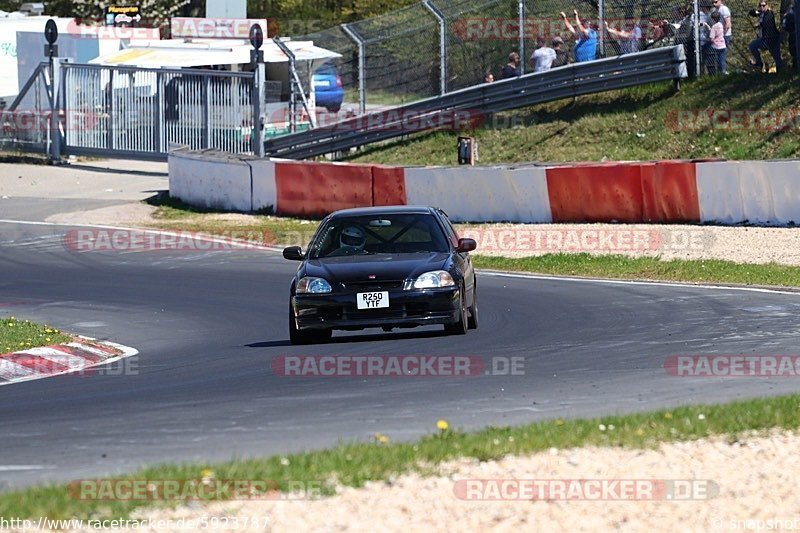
(432, 280)
(309, 285)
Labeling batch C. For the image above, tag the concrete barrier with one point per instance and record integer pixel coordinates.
(210, 180)
(481, 194)
(264, 192)
(758, 192)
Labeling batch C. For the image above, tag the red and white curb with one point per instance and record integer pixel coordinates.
(49, 361)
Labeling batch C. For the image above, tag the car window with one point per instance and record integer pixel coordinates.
(377, 234)
(452, 234)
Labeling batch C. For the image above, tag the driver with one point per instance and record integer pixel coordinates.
(352, 240)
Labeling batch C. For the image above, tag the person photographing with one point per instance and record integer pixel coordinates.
(768, 37)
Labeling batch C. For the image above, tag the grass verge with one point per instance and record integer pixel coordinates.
(639, 123)
(648, 268)
(354, 464)
(174, 215)
(21, 334)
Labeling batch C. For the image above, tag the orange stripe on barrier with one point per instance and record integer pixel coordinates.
(595, 193)
(669, 192)
(316, 189)
(388, 186)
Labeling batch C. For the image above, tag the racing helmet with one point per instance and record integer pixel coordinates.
(352, 238)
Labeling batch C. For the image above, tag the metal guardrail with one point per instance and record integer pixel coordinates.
(662, 64)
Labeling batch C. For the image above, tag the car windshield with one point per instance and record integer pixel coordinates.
(378, 234)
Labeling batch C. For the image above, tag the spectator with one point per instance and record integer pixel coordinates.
(718, 64)
(543, 57)
(725, 13)
(631, 40)
(586, 38)
(488, 77)
(511, 70)
(562, 57)
(708, 59)
(788, 25)
(769, 38)
(685, 35)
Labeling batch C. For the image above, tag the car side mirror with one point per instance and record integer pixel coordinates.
(466, 245)
(293, 253)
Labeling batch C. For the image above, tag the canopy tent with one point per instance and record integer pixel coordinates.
(208, 52)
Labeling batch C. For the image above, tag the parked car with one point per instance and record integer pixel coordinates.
(386, 267)
(328, 87)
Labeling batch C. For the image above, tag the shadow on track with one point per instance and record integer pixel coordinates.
(356, 338)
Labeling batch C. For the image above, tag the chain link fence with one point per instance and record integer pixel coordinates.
(402, 57)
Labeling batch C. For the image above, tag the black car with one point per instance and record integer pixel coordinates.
(387, 267)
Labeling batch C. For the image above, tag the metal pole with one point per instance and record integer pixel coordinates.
(55, 136)
(159, 113)
(442, 44)
(521, 15)
(362, 80)
(796, 36)
(205, 87)
(696, 38)
(258, 97)
(601, 15)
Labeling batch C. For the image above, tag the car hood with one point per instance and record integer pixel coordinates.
(382, 266)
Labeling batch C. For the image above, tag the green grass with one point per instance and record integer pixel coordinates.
(630, 124)
(21, 334)
(647, 268)
(355, 463)
(172, 214)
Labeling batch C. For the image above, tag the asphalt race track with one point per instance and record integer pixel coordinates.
(208, 324)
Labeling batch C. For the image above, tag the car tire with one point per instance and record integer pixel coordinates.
(461, 326)
(310, 336)
(472, 323)
(334, 108)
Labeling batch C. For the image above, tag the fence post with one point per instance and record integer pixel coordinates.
(601, 30)
(55, 108)
(158, 114)
(206, 88)
(796, 36)
(696, 30)
(109, 96)
(521, 14)
(258, 97)
(442, 44)
(362, 80)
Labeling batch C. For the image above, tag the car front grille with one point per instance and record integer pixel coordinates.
(373, 285)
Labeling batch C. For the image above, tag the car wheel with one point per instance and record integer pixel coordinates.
(460, 327)
(473, 310)
(334, 108)
(310, 336)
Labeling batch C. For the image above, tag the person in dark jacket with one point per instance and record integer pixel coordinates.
(769, 38)
(511, 70)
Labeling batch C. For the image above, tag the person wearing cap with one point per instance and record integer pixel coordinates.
(543, 57)
(562, 57)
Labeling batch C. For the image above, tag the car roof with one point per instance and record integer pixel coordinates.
(384, 210)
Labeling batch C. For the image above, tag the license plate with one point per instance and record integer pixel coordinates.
(322, 83)
(372, 300)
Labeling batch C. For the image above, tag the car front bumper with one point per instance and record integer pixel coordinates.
(406, 309)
